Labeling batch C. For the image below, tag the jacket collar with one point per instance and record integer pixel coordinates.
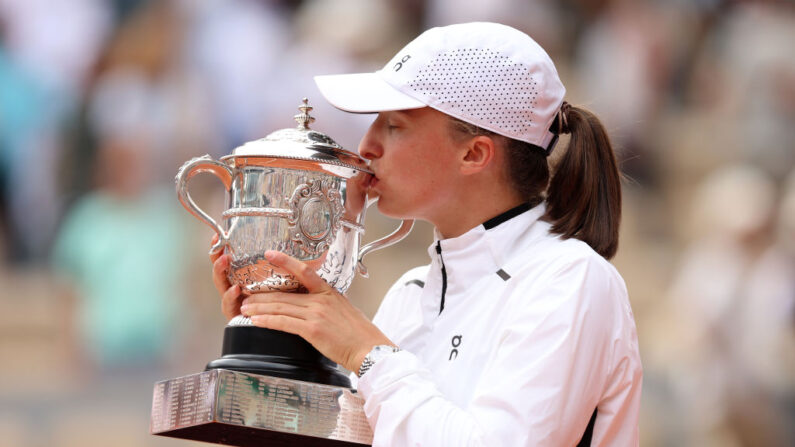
(506, 216)
(484, 249)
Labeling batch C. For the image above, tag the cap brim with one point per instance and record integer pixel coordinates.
(363, 93)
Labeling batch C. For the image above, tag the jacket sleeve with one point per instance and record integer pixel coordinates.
(541, 384)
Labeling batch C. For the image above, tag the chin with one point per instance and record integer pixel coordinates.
(393, 210)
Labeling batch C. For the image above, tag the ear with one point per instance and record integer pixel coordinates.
(478, 156)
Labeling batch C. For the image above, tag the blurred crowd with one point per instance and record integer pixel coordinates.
(104, 278)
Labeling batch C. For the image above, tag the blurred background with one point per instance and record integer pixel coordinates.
(104, 279)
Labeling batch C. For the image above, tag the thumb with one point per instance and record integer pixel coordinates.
(305, 274)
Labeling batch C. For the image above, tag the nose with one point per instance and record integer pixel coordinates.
(370, 147)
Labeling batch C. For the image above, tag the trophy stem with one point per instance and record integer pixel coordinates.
(256, 350)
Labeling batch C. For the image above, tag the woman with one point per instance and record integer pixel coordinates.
(519, 332)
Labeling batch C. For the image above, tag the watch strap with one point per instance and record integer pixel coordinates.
(378, 352)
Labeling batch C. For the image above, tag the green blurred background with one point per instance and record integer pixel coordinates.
(104, 278)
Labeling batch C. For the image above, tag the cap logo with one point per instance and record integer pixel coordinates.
(399, 65)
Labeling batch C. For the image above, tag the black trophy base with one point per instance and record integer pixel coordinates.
(256, 350)
(218, 433)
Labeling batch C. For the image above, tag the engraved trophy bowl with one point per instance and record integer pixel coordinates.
(296, 191)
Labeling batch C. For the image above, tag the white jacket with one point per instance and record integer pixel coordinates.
(536, 336)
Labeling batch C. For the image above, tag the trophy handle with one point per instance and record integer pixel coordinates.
(200, 165)
(396, 236)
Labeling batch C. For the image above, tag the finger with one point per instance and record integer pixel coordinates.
(220, 268)
(231, 301)
(372, 194)
(286, 309)
(214, 256)
(305, 275)
(298, 299)
(279, 323)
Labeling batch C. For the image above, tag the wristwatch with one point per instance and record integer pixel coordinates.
(377, 353)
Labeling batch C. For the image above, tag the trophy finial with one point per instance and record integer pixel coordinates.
(304, 119)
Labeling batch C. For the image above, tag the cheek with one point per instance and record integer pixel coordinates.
(424, 163)
(415, 170)
(429, 180)
(439, 165)
(409, 181)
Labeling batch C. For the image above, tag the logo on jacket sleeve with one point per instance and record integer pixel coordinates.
(456, 342)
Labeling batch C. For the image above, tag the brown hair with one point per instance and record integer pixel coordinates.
(584, 194)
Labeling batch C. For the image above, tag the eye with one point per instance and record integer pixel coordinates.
(392, 122)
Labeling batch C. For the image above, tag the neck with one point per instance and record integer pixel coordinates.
(470, 210)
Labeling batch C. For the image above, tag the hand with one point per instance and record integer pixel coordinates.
(231, 297)
(323, 317)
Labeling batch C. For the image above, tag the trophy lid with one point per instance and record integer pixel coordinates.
(302, 143)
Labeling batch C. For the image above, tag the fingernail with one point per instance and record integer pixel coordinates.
(271, 255)
(244, 309)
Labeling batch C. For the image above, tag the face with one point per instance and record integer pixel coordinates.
(414, 158)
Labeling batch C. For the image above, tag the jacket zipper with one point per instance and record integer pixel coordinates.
(444, 275)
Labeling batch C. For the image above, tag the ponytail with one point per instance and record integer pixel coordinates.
(584, 194)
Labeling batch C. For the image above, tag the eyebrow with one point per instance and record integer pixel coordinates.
(407, 113)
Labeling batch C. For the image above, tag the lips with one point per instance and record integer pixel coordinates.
(373, 179)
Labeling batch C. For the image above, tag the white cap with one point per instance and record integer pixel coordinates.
(487, 74)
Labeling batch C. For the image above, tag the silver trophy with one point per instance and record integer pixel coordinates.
(296, 191)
